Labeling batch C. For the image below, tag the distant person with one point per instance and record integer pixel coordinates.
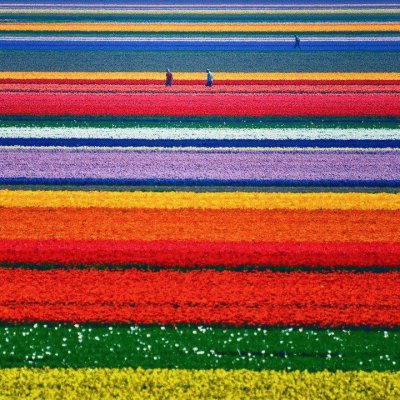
(210, 78)
(168, 78)
(297, 42)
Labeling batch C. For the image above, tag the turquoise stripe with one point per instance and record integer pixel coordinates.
(201, 18)
(229, 61)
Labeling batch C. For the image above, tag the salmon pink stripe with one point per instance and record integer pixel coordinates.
(191, 253)
(168, 297)
(217, 82)
(200, 104)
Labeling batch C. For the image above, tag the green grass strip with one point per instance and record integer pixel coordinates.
(201, 122)
(198, 347)
(188, 268)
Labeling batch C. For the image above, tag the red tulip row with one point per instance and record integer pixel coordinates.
(217, 82)
(188, 253)
(168, 297)
(240, 87)
(167, 104)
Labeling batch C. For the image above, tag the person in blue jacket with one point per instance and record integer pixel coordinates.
(297, 42)
(210, 78)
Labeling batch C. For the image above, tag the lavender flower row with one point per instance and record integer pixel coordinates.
(219, 165)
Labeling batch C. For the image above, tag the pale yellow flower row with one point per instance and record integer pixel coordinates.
(220, 200)
(140, 75)
(166, 384)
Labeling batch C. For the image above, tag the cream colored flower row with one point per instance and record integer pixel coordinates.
(161, 133)
(220, 200)
(133, 384)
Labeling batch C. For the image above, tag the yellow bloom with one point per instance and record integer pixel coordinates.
(221, 200)
(138, 75)
(104, 383)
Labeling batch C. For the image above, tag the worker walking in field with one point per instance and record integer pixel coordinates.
(297, 42)
(168, 78)
(210, 78)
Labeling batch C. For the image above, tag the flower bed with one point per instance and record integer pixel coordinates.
(199, 104)
(201, 297)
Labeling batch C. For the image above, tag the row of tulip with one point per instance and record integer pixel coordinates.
(210, 104)
(49, 76)
(199, 200)
(138, 384)
(191, 255)
(191, 87)
(198, 133)
(201, 297)
(226, 225)
(195, 166)
(201, 27)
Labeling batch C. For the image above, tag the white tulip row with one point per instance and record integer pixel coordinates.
(192, 133)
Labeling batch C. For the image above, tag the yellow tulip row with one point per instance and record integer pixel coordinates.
(222, 200)
(32, 383)
(139, 75)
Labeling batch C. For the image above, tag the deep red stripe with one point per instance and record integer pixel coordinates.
(191, 253)
(200, 104)
(262, 298)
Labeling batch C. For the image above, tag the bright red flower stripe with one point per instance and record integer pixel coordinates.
(239, 298)
(200, 104)
(154, 88)
(193, 253)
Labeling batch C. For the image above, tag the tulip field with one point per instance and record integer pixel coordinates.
(239, 241)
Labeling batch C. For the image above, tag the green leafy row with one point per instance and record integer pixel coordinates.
(198, 347)
(201, 122)
(203, 18)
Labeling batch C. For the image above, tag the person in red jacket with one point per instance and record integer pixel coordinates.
(169, 77)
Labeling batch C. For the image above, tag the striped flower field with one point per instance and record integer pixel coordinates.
(239, 241)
